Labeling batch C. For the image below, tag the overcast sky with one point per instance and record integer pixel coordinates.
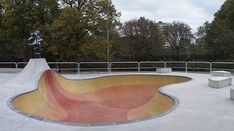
(192, 12)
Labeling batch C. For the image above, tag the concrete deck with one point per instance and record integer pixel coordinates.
(201, 108)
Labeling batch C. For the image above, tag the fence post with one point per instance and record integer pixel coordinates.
(211, 66)
(79, 68)
(186, 67)
(139, 67)
(165, 64)
(110, 68)
(16, 65)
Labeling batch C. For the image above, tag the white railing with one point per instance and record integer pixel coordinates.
(96, 66)
(198, 67)
(9, 67)
(222, 66)
(130, 66)
(57, 66)
(174, 65)
(62, 66)
(8, 64)
(150, 63)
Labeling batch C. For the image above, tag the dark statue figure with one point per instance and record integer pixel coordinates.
(35, 41)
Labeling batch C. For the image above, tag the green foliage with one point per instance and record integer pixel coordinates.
(226, 15)
(219, 35)
(68, 31)
(67, 27)
(72, 30)
(19, 19)
(94, 50)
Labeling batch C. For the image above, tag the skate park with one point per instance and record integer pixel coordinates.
(111, 65)
(190, 102)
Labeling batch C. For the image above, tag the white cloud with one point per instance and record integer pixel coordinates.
(192, 12)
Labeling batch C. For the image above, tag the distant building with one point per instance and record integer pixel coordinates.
(162, 25)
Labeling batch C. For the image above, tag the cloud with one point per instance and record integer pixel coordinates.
(192, 12)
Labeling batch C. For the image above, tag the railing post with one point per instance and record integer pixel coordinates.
(139, 67)
(79, 67)
(211, 67)
(110, 68)
(186, 67)
(16, 65)
(165, 64)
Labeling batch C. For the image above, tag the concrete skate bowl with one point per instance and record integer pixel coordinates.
(99, 101)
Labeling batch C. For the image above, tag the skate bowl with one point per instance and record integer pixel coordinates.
(98, 101)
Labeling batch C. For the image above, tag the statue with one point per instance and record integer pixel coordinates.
(35, 41)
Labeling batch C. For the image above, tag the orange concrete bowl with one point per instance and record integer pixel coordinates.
(104, 100)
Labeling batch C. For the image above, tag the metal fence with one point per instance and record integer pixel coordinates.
(151, 65)
(8, 65)
(79, 67)
(124, 66)
(93, 66)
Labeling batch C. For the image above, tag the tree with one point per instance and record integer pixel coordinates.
(68, 32)
(21, 17)
(94, 50)
(78, 4)
(2, 43)
(221, 35)
(179, 36)
(75, 26)
(141, 39)
(225, 15)
(200, 50)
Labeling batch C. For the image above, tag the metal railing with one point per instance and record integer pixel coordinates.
(8, 64)
(64, 66)
(78, 67)
(9, 67)
(57, 66)
(228, 66)
(129, 66)
(96, 66)
(176, 65)
(21, 64)
(199, 67)
(151, 65)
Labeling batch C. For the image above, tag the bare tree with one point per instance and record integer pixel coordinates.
(144, 39)
(179, 36)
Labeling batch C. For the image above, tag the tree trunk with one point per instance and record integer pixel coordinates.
(177, 55)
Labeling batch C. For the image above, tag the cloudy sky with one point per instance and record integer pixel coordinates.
(192, 12)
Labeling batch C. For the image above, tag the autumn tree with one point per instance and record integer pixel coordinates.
(179, 36)
(77, 27)
(20, 17)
